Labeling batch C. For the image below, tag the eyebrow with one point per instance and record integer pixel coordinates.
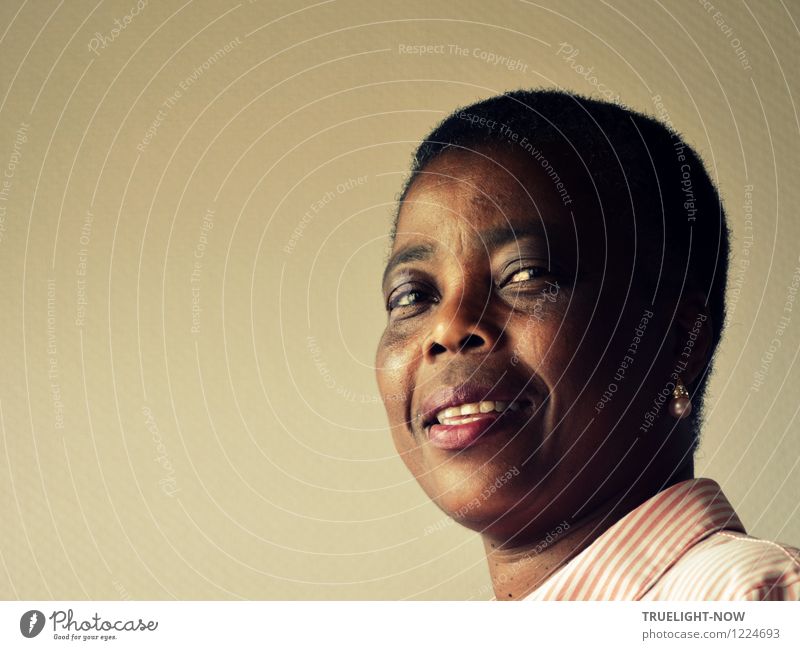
(491, 239)
(415, 253)
(497, 237)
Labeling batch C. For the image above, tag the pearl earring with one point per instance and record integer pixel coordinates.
(680, 406)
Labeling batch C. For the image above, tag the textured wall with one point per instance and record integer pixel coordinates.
(194, 213)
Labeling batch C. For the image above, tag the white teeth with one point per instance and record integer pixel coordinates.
(463, 420)
(460, 414)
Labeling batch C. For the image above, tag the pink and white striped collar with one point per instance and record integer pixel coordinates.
(629, 558)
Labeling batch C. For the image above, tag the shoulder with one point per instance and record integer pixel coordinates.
(730, 565)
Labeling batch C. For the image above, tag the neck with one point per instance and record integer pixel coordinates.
(517, 570)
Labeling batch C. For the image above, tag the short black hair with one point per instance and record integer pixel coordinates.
(680, 220)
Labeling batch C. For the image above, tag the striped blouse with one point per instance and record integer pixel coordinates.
(685, 543)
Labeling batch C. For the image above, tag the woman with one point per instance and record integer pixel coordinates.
(555, 295)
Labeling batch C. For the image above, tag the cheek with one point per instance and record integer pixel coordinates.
(395, 367)
(561, 341)
(540, 336)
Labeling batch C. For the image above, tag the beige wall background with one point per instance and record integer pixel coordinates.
(194, 213)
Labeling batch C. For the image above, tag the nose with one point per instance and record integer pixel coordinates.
(461, 324)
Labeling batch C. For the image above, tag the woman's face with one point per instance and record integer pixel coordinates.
(511, 294)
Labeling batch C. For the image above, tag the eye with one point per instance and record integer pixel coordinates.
(526, 274)
(408, 296)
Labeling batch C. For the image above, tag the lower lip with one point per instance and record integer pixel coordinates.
(460, 436)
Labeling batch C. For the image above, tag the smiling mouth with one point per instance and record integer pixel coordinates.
(463, 425)
(463, 413)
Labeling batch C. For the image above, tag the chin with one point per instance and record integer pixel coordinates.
(477, 498)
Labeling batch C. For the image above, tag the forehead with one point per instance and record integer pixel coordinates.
(478, 194)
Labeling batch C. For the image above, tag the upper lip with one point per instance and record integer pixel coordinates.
(465, 393)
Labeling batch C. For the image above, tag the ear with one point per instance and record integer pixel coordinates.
(693, 335)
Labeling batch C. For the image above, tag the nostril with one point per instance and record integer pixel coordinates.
(472, 341)
(454, 342)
